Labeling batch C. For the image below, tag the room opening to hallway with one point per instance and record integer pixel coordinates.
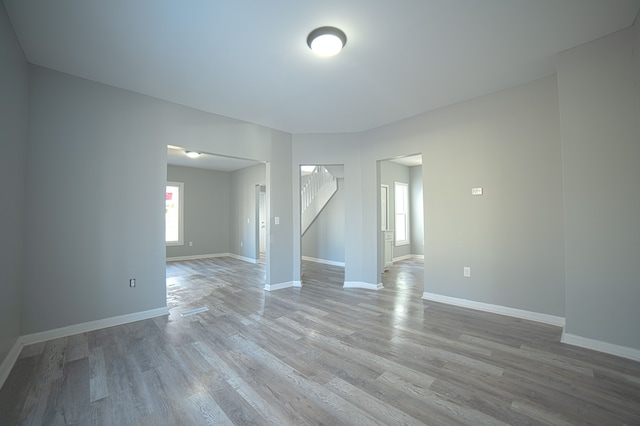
(221, 205)
(322, 217)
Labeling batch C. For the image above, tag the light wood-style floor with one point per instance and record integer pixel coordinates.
(319, 354)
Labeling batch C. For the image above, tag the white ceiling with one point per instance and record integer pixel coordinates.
(409, 161)
(249, 59)
(176, 156)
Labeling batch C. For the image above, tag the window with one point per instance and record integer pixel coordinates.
(173, 219)
(402, 213)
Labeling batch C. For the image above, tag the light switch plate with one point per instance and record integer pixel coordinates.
(476, 191)
(467, 271)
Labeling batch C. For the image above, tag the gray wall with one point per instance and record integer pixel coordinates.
(390, 173)
(95, 204)
(510, 237)
(325, 237)
(242, 223)
(599, 100)
(207, 200)
(280, 178)
(417, 210)
(13, 134)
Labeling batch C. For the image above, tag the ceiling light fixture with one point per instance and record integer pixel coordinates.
(192, 154)
(326, 41)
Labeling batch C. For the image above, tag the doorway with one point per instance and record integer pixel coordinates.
(401, 210)
(220, 216)
(322, 216)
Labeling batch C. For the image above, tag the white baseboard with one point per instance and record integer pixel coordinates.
(409, 256)
(361, 284)
(600, 346)
(323, 261)
(196, 257)
(9, 361)
(211, 256)
(27, 339)
(280, 286)
(91, 325)
(244, 259)
(496, 309)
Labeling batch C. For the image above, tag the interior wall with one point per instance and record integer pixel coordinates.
(512, 236)
(280, 183)
(95, 195)
(599, 106)
(207, 211)
(242, 205)
(417, 210)
(324, 239)
(14, 88)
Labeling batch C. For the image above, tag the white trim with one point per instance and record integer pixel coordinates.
(297, 284)
(496, 309)
(384, 208)
(406, 213)
(28, 339)
(323, 261)
(409, 256)
(399, 258)
(600, 346)
(361, 284)
(244, 259)
(211, 256)
(197, 257)
(9, 361)
(91, 325)
(280, 286)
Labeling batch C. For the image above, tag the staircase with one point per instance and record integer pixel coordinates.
(317, 189)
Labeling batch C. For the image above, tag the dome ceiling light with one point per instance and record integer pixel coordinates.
(192, 154)
(326, 41)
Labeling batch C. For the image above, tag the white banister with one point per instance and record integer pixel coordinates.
(316, 191)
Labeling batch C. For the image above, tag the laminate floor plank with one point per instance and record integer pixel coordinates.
(319, 354)
(14, 393)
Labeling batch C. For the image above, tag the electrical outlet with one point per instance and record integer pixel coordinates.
(466, 271)
(132, 282)
(190, 243)
(241, 244)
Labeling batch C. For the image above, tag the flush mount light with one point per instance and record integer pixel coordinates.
(326, 41)
(192, 154)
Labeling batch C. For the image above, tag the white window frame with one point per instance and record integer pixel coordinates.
(180, 241)
(405, 213)
(384, 207)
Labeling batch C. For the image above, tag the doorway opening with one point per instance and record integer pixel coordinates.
(220, 207)
(322, 219)
(401, 209)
